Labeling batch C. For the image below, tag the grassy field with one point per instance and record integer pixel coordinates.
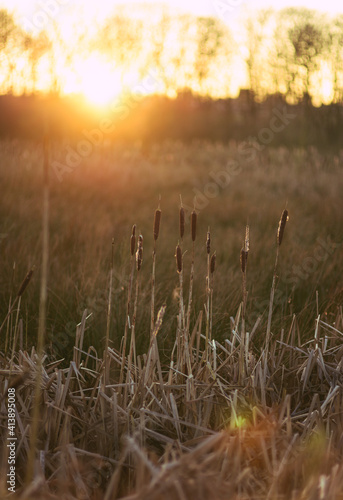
(231, 418)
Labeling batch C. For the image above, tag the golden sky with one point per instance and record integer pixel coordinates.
(83, 75)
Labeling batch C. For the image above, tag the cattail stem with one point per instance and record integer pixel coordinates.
(190, 297)
(8, 330)
(181, 328)
(128, 303)
(208, 293)
(212, 269)
(242, 349)
(244, 263)
(157, 223)
(271, 302)
(109, 307)
(279, 238)
(42, 318)
(132, 353)
(15, 334)
(21, 290)
(152, 318)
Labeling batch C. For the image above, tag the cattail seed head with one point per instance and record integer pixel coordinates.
(244, 260)
(194, 225)
(282, 225)
(133, 240)
(157, 222)
(139, 253)
(245, 250)
(247, 239)
(182, 222)
(25, 282)
(178, 255)
(213, 263)
(208, 242)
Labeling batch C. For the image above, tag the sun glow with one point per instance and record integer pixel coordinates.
(96, 79)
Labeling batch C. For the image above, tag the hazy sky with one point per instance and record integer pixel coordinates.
(78, 16)
(210, 7)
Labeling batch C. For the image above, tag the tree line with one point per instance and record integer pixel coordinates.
(295, 52)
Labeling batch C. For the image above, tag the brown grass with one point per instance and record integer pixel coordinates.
(195, 423)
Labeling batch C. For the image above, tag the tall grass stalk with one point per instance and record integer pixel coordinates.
(128, 303)
(132, 353)
(194, 217)
(244, 262)
(42, 318)
(279, 238)
(208, 252)
(8, 330)
(156, 231)
(108, 324)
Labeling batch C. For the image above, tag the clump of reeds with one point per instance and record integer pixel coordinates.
(168, 440)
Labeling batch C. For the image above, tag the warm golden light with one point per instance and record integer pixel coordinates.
(96, 80)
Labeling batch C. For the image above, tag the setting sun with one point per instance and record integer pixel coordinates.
(96, 80)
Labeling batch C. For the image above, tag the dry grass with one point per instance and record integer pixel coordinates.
(214, 416)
